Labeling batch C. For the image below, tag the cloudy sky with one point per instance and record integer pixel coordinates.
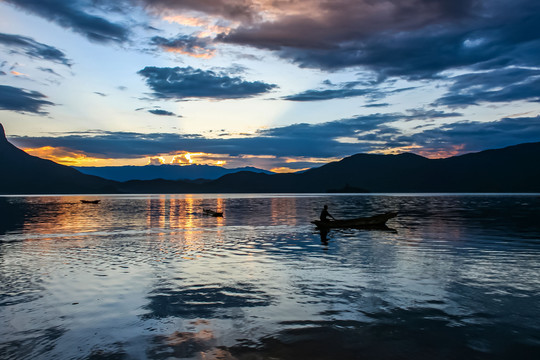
(277, 84)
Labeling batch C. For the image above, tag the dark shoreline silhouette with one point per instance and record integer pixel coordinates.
(512, 169)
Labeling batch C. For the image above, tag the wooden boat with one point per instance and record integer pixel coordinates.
(90, 201)
(362, 222)
(213, 213)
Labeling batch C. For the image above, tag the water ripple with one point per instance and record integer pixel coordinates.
(152, 277)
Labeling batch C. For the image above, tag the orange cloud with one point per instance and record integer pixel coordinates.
(209, 27)
(16, 73)
(199, 158)
(57, 154)
(195, 51)
(156, 161)
(397, 150)
(311, 160)
(442, 153)
(69, 157)
(431, 153)
(186, 20)
(285, 170)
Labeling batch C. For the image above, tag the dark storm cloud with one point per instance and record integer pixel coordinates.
(33, 49)
(413, 39)
(494, 86)
(21, 100)
(77, 16)
(187, 82)
(350, 33)
(229, 9)
(161, 112)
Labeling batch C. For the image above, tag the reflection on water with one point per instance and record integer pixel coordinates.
(137, 277)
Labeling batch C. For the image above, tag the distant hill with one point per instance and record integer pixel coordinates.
(511, 169)
(26, 174)
(166, 172)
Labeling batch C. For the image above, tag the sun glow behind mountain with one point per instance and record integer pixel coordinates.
(69, 157)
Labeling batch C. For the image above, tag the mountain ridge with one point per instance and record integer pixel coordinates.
(165, 171)
(510, 169)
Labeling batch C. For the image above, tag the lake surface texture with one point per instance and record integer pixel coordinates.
(151, 277)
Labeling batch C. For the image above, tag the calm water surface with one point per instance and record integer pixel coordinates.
(150, 277)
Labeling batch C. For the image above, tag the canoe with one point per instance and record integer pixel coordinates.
(90, 201)
(212, 213)
(362, 222)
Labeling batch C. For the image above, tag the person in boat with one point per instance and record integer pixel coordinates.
(325, 214)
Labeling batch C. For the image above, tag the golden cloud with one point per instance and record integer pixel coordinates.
(195, 51)
(59, 155)
(210, 28)
(286, 170)
(199, 158)
(158, 160)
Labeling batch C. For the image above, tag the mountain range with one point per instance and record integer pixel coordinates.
(511, 169)
(167, 172)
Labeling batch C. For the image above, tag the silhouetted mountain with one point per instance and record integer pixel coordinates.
(167, 172)
(512, 169)
(26, 174)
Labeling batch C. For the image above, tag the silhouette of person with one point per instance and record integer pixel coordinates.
(325, 214)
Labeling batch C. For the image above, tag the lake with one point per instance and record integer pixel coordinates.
(151, 277)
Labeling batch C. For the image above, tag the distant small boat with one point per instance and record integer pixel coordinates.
(362, 222)
(90, 201)
(213, 213)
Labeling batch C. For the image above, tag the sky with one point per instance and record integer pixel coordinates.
(282, 85)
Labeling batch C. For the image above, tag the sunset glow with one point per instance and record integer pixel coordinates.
(67, 157)
(281, 85)
(286, 170)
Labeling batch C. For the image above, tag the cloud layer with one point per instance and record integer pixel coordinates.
(187, 45)
(77, 16)
(21, 100)
(414, 39)
(187, 82)
(33, 49)
(376, 132)
(161, 112)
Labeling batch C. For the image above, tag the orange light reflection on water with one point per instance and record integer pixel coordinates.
(58, 216)
(180, 219)
(283, 211)
(165, 219)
